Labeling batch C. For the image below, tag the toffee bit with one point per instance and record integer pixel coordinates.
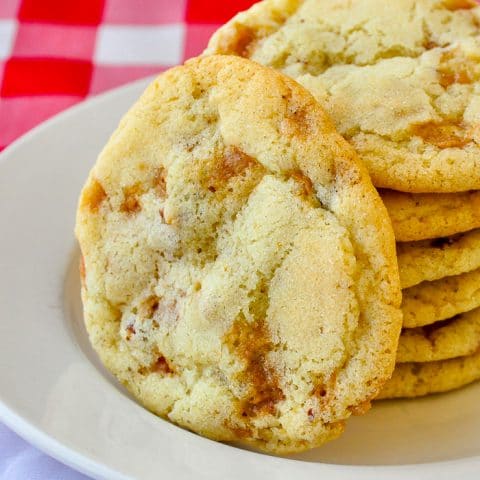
(311, 415)
(130, 331)
(161, 366)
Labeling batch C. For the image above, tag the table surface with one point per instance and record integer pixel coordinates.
(56, 53)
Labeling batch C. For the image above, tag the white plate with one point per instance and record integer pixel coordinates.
(54, 393)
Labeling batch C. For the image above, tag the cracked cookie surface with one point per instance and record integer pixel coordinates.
(455, 337)
(239, 273)
(400, 79)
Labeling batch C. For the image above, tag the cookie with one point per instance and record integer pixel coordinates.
(430, 302)
(456, 337)
(420, 216)
(438, 258)
(406, 97)
(419, 379)
(239, 266)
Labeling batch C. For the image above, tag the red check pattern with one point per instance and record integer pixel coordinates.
(55, 53)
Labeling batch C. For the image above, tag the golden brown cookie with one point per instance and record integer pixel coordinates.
(430, 302)
(455, 337)
(420, 216)
(399, 78)
(438, 258)
(240, 272)
(419, 379)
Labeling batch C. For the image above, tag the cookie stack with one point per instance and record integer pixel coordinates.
(401, 82)
(438, 248)
(239, 270)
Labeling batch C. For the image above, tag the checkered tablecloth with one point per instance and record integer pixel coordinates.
(55, 53)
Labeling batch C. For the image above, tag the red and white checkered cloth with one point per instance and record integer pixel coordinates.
(54, 53)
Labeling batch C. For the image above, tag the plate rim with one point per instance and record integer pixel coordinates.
(72, 110)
